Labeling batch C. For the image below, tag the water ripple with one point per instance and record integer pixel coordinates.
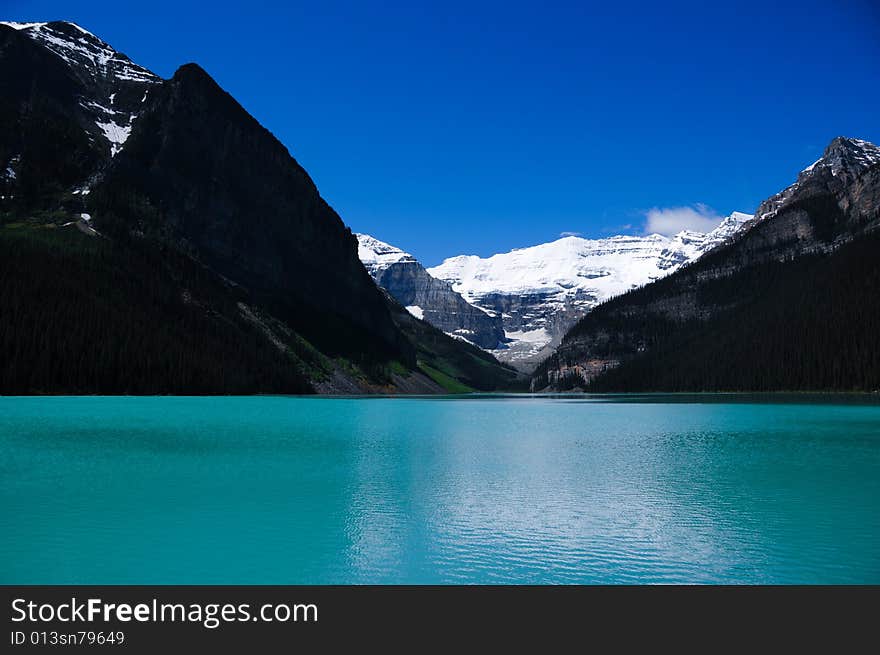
(484, 490)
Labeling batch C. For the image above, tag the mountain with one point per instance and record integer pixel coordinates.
(67, 104)
(541, 291)
(200, 173)
(426, 297)
(792, 302)
(158, 239)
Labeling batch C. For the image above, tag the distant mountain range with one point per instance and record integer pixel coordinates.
(541, 291)
(519, 304)
(155, 238)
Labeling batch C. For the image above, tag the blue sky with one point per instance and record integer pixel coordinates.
(477, 127)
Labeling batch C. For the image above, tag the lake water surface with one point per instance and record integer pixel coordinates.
(593, 489)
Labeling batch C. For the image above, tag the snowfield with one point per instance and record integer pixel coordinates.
(541, 291)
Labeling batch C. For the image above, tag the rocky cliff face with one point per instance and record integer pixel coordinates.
(541, 291)
(842, 162)
(199, 172)
(426, 297)
(720, 304)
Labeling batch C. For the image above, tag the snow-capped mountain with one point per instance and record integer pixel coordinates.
(426, 297)
(378, 255)
(543, 290)
(113, 88)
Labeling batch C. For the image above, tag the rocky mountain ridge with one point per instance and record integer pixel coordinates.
(426, 297)
(788, 303)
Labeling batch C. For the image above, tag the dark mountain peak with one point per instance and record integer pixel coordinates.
(192, 72)
(71, 29)
(192, 89)
(194, 81)
(209, 179)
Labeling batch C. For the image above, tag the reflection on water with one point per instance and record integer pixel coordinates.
(528, 489)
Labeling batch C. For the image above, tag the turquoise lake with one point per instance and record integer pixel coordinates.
(522, 489)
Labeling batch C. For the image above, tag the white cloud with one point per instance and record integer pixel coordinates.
(672, 220)
(570, 234)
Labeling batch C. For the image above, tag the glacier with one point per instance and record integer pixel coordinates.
(541, 291)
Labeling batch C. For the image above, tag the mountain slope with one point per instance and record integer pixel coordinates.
(184, 247)
(83, 316)
(425, 296)
(199, 172)
(543, 290)
(789, 303)
(453, 364)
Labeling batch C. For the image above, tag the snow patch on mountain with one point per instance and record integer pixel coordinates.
(9, 173)
(416, 311)
(117, 124)
(377, 255)
(116, 134)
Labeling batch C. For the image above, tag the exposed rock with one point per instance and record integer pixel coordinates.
(426, 297)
